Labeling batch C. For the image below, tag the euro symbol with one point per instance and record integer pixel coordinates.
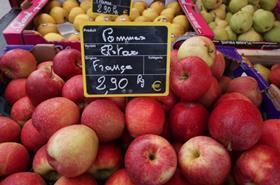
(156, 86)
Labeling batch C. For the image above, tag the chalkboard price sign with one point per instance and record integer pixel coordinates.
(125, 59)
(112, 7)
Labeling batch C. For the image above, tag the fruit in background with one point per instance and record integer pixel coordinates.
(74, 37)
(80, 19)
(107, 161)
(162, 18)
(103, 18)
(187, 120)
(241, 22)
(270, 133)
(119, 101)
(236, 5)
(140, 6)
(177, 29)
(221, 23)
(212, 25)
(141, 19)
(51, 4)
(198, 46)
(15, 90)
(218, 66)
(76, 143)
(263, 20)
(158, 6)
(204, 161)
(53, 37)
(268, 4)
(67, 63)
(46, 28)
(122, 18)
(228, 16)
(168, 12)
(177, 179)
(155, 156)
(9, 130)
(254, 2)
(68, 5)
(259, 165)
(17, 63)
(120, 177)
(207, 16)
(134, 13)
(236, 124)
(81, 180)
(211, 95)
(105, 118)
(144, 116)
(219, 12)
(211, 4)
(22, 110)
(274, 75)
(58, 14)
(43, 84)
(63, 113)
(220, 33)
(31, 138)
(74, 12)
(13, 158)
(23, 178)
(272, 35)
(264, 71)
(247, 86)
(150, 14)
(232, 96)
(91, 14)
(41, 166)
(167, 102)
(85, 5)
(173, 57)
(182, 20)
(175, 6)
(249, 8)
(223, 83)
(250, 35)
(43, 18)
(186, 80)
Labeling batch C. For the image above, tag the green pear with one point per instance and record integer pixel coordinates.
(263, 20)
(207, 16)
(236, 5)
(273, 34)
(254, 2)
(250, 35)
(249, 8)
(220, 33)
(219, 12)
(221, 22)
(277, 23)
(241, 22)
(230, 33)
(268, 4)
(211, 4)
(228, 16)
(212, 25)
(199, 5)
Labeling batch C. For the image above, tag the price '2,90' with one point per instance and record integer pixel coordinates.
(107, 9)
(116, 84)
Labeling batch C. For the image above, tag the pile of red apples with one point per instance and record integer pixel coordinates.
(207, 131)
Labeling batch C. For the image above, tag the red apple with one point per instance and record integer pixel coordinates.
(9, 130)
(80, 180)
(168, 101)
(67, 63)
(144, 116)
(187, 120)
(270, 133)
(177, 179)
(274, 75)
(72, 150)
(47, 65)
(22, 110)
(53, 114)
(31, 138)
(174, 55)
(17, 63)
(218, 66)
(119, 101)
(213, 93)
(224, 83)
(41, 166)
(15, 90)
(190, 78)
(23, 178)
(105, 118)
(232, 97)
(150, 160)
(13, 158)
(204, 161)
(247, 86)
(236, 124)
(73, 89)
(259, 165)
(43, 84)
(107, 161)
(120, 177)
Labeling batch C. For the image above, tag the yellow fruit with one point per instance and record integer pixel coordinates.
(58, 14)
(68, 5)
(52, 37)
(140, 5)
(176, 6)
(51, 4)
(103, 18)
(162, 18)
(85, 5)
(141, 19)
(79, 20)
(91, 14)
(74, 12)
(134, 13)
(158, 6)
(176, 30)
(74, 37)
(150, 14)
(264, 71)
(122, 18)
(46, 28)
(44, 18)
(182, 20)
(168, 12)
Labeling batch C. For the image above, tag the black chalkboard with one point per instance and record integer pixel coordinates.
(125, 59)
(112, 7)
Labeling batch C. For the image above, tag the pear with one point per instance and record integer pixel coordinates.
(228, 16)
(254, 2)
(212, 25)
(276, 23)
(230, 33)
(220, 33)
(250, 35)
(241, 22)
(211, 4)
(263, 20)
(273, 34)
(219, 12)
(207, 16)
(248, 8)
(200, 5)
(236, 5)
(268, 4)
(221, 22)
